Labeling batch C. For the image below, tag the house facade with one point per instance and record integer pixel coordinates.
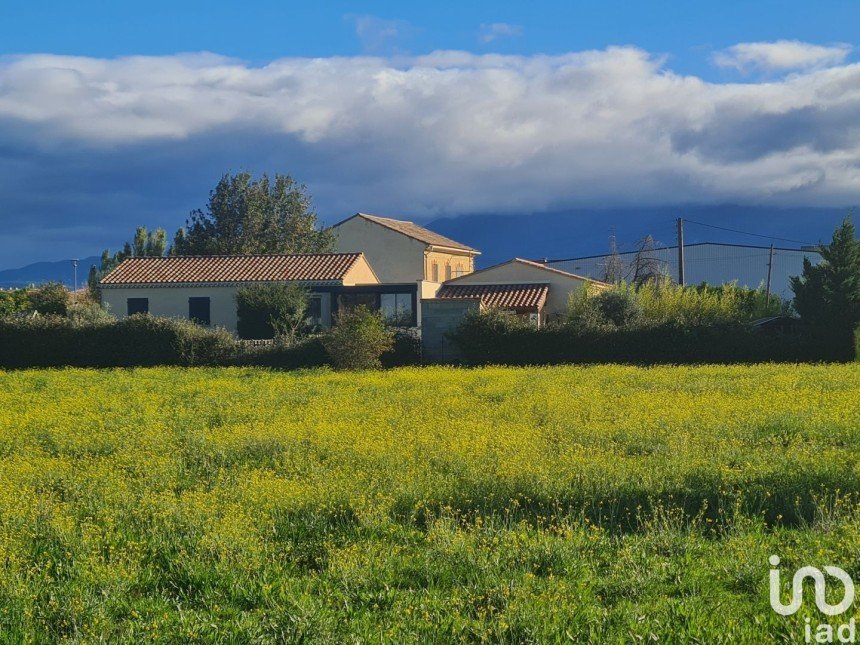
(521, 287)
(402, 252)
(204, 288)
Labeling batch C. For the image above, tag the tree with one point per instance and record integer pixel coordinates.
(646, 265)
(828, 294)
(144, 244)
(51, 298)
(254, 216)
(613, 269)
(358, 340)
(277, 311)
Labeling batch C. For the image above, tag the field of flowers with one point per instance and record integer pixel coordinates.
(597, 504)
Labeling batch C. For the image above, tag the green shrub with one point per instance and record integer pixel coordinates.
(620, 308)
(407, 350)
(358, 340)
(51, 298)
(88, 313)
(486, 339)
(267, 311)
(304, 353)
(13, 302)
(141, 340)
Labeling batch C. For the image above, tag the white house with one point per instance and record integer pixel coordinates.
(204, 288)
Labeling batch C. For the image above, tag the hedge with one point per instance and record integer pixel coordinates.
(485, 341)
(143, 340)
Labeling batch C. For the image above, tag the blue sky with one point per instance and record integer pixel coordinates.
(115, 114)
(259, 31)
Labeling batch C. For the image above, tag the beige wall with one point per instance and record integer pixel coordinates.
(560, 285)
(393, 256)
(445, 261)
(360, 273)
(172, 302)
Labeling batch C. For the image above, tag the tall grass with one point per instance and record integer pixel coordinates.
(599, 504)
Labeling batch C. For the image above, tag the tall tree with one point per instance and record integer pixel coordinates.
(646, 265)
(613, 269)
(245, 215)
(828, 294)
(145, 244)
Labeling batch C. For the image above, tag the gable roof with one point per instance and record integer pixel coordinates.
(529, 263)
(308, 267)
(505, 296)
(413, 230)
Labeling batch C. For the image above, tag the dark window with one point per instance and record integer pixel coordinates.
(353, 300)
(315, 309)
(137, 306)
(198, 310)
(397, 310)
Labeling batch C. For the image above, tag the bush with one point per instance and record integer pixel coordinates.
(272, 311)
(407, 350)
(483, 340)
(88, 313)
(305, 353)
(53, 341)
(620, 308)
(13, 302)
(52, 298)
(358, 340)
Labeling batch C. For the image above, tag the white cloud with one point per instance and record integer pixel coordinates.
(489, 32)
(781, 55)
(447, 133)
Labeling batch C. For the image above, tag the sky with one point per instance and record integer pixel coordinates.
(116, 114)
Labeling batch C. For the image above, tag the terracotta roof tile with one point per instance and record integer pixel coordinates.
(413, 230)
(316, 267)
(505, 296)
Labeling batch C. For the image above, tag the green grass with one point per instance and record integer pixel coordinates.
(596, 504)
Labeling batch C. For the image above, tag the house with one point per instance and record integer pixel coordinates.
(204, 288)
(711, 262)
(520, 286)
(403, 252)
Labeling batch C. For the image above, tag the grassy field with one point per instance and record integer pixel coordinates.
(601, 504)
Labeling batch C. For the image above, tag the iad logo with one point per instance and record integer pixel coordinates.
(824, 633)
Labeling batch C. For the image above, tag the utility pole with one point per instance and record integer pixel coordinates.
(680, 252)
(769, 272)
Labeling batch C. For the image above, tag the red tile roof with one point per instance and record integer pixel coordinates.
(416, 232)
(315, 267)
(505, 296)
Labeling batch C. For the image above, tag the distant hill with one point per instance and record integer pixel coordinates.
(60, 271)
(577, 233)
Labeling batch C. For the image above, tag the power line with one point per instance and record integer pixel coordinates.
(733, 230)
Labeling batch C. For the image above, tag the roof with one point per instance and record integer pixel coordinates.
(506, 296)
(310, 267)
(530, 263)
(413, 230)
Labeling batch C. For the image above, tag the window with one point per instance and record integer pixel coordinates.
(447, 271)
(459, 270)
(315, 309)
(434, 272)
(397, 310)
(137, 306)
(352, 300)
(198, 311)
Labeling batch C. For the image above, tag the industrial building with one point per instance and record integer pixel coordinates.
(711, 262)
